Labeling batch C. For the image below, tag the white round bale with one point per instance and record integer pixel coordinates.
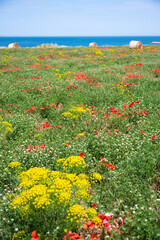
(13, 45)
(135, 45)
(93, 44)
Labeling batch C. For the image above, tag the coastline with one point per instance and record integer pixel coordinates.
(33, 42)
(64, 46)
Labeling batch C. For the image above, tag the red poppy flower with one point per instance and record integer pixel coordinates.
(125, 105)
(116, 130)
(94, 236)
(81, 154)
(111, 166)
(132, 103)
(127, 128)
(143, 112)
(34, 236)
(89, 224)
(103, 163)
(72, 236)
(153, 137)
(45, 124)
(67, 144)
(94, 205)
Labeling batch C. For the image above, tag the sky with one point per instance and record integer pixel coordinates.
(79, 17)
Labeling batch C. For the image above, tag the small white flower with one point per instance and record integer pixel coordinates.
(109, 214)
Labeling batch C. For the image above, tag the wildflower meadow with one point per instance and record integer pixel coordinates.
(80, 152)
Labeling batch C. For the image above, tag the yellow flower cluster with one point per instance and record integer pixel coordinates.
(14, 164)
(98, 53)
(95, 177)
(96, 220)
(19, 236)
(61, 189)
(91, 213)
(8, 129)
(72, 162)
(33, 176)
(82, 186)
(58, 75)
(83, 176)
(81, 134)
(69, 115)
(41, 188)
(122, 88)
(54, 175)
(37, 195)
(75, 112)
(37, 135)
(79, 110)
(6, 126)
(77, 213)
(70, 176)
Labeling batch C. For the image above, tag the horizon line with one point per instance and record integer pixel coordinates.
(93, 36)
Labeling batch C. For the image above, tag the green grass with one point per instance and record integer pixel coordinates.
(38, 86)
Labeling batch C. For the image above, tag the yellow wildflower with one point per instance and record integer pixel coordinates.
(69, 115)
(97, 220)
(77, 212)
(95, 177)
(81, 134)
(33, 176)
(74, 162)
(14, 164)
(7, 124)
(91, 213)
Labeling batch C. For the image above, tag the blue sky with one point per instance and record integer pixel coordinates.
(80, 18)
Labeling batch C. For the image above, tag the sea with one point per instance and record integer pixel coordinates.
(25, 42)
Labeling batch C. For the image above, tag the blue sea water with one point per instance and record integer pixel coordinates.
(77, 41)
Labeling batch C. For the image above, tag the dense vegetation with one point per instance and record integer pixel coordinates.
(80, 143)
